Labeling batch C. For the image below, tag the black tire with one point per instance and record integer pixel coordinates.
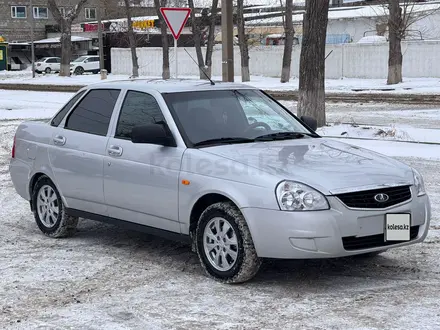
(79, 70)
(95, 72)
(247, 263)
(48, 70)
(65, 225)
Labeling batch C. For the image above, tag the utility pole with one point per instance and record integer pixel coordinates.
(32, 38)
(101, 44)
(227, 41)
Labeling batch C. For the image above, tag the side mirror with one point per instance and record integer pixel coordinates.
(152, 134)
(310, 122)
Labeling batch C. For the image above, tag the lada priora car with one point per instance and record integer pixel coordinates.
(221, 166)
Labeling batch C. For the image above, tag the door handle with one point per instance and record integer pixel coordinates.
(115, 151)
(59, 140)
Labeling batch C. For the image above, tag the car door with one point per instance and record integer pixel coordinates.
(94, 63)
(141, 180)
(51, 63)
(57, 64)
(78, 149)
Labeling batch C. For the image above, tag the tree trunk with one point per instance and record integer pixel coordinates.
(132, 41)
(66, 32)
(243, 42)
(166, 74)
(395, 58)
(66, 51)
(311, 96)
(211, 38)
(196, 38)
(288, 46)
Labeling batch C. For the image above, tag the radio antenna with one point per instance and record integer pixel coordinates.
(206, 75)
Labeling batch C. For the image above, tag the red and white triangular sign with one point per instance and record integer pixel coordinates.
(176, 19)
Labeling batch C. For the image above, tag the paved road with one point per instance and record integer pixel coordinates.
(109, 278)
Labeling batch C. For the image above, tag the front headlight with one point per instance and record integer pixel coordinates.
(295, 196)
(419, 184)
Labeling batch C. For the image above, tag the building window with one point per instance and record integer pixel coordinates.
(90, 13)
(18, 12)
(41, 12)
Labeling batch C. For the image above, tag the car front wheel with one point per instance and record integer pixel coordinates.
(224, 244)
(79, 70)
(49, 210)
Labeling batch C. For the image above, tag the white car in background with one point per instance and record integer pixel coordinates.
(85, 64)
(48, 65)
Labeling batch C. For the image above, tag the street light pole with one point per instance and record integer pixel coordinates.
(227, 41)
(101, 44)
(32, 39)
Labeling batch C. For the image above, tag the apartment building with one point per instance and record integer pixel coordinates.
(16, 16)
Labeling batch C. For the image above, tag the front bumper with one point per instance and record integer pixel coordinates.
(319, 234)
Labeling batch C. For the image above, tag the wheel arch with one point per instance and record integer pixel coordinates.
(202, 203)
(34, 179)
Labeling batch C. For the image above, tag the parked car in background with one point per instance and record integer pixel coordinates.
(85, 64)
(48, 65)
(223, 167)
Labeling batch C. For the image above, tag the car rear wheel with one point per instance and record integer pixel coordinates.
(79, 70)
(224, 244)
(49, 210)
(48, 70)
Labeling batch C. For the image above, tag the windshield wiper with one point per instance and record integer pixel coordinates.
(281, 136)
(224, 140)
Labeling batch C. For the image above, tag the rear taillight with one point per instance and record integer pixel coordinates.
(38, 64)
(13, 149)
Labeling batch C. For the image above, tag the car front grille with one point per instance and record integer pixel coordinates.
(366, 199)
(367, 242)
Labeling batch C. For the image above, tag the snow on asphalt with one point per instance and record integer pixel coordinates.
(346, 85)
(109, 278)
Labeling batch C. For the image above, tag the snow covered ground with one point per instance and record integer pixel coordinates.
(109, 278)
(410, 85)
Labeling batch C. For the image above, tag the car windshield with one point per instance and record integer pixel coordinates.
(80, 59)
(43, 59)
(231, 116)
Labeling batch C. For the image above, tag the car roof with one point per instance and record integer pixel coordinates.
(168, 86)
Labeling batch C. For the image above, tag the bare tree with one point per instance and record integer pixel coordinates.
(197, 39)
(401, 15)
(211, 38)
(164, 36)
(395, 57)
(132, 40)
(311, 97)
(243, 42)
(289, 33)
(65, 24)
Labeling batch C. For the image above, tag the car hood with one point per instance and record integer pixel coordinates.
(327, 165)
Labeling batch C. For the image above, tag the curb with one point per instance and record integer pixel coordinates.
(353, 97)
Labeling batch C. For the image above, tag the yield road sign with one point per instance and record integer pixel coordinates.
(176, 19)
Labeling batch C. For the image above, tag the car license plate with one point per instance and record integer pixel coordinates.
(397, 227)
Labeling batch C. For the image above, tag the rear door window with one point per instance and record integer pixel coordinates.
(60, 115)
(92, 115)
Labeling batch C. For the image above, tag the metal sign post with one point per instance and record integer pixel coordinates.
(175, 56)
(176, 19)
